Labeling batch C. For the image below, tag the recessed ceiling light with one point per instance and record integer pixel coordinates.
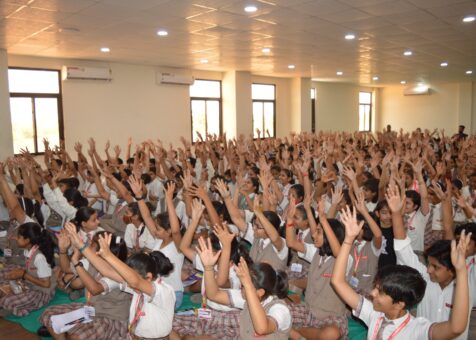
(350, 36)
(375, 78)
(291, 67)
(251, 9)
(162, 33)
(469, 18)
(403, 82)
(265, 50)
(339, 73)
(204, 61)
(444, 64)
(105, 49)
(407, 53)
(469, 72)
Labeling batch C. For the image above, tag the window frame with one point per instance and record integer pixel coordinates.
(370, 110)
(32, 96)
(313, 109)
(206, 99)
(263, 132)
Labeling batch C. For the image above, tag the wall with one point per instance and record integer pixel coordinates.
(448, 105)
(6, 138)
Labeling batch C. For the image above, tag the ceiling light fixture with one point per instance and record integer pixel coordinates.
(265, 50)
(469, 18)
(403, 82)
(444, 64)
(105, 49)
(204, 61)
(469, 72)
(291, 67)
(375, 78)
(350, 36)
(339, 73)
(162, 33)
(251, 9)
(407, 53)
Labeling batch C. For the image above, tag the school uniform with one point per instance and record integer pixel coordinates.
(322, 306)
(33, 297)
(406, 327)
(387, 254)
(138, 238)
(299, 267)
(437, 303)
(263, 250)
(274, 308)
(115, 223)
(58, 203)
(365, 259)
(415, 224)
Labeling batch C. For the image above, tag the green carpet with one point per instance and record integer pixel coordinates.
(357, 331)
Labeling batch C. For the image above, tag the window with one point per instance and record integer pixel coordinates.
(36, 108)
(205, 106)
(264, 109)
(313, 109)
(365, 110)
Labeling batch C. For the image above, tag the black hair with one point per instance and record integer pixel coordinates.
(380, 205)
(289, 174)
(441, 251)
(20, 189)
(414, 196)
(222, 210)
(70, 182)
(155, 263)
(457, 183)
(134, 207)
(468, 228)
(119, 249)
(163, 220)
(372, 185)
(83, 215)
(303, 212)
(272, 217)
(272, 282)
(39, 237)
(255, 182)
(299, 190)
(146, 178)
(339, 232)
(73, 195)
(276, 167)
(401, 283)
(192, 161)
(240, 249)
(367, 235)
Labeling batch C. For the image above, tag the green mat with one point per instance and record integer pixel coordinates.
(357, 331)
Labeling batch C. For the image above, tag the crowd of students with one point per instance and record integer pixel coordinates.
(280, 237)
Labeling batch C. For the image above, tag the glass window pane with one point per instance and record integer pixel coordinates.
(22, 124)
(257, 118)
(46, 110)
(361, 118)
(33, 81)
(205, 89)
(313, 93)
(268, 119)
(198, 119)
(262, 91)
(213, 117)
(365, 98)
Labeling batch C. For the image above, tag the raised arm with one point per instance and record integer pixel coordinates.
(425, 203)
(235, 213)
(270, 230)
(396, 204)
(291, 240)
(226, 239)
(11, 201)
(331, 237)
(360, 205)
(136, 186)
(187, 239)
(174, 220)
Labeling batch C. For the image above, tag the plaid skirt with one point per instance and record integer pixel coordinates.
(24, 303)
(303, 317)
(222, 325)
(292, 275)
(7, 268)
(99, 329)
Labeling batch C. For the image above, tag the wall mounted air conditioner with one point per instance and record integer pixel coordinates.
(174, 78)
(416, 90)
(88, 73)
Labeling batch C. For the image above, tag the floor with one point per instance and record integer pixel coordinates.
(10, 330)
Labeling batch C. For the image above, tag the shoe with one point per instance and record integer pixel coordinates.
(43, 332)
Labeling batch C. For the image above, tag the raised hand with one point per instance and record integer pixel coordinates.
(187, 180)
(223, 234)
(73, 235)
(169, 190)
(63, 240)
(104, 242)
(107, 146)
(337, 195)
(458, 251)
(222, 188)
(197, 210)
(243, 273)
(205, 251)
(136, 185)
(394, 200)
(349, 219)
(360, 202)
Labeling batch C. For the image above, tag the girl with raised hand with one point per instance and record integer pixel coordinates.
(153, 300)
(34, 281)
(110, 303)
(264, 314)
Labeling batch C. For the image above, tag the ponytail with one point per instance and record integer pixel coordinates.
(272, 282)
(162, 263)
(155, 263)
(281, 286)
(39, 237)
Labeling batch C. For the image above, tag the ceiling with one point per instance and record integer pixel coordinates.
(306, 33)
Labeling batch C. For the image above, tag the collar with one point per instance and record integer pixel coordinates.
(360, 245)
(399, 321)
(29, 252)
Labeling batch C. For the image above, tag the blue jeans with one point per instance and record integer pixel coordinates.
(178, 299)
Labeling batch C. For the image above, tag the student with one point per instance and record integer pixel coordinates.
(323, 313)
(153, 300)
(111, 305)
(137, 236)
(397, 289)
(387, 254)
(264, 313)
(35, 279)
(438, 303)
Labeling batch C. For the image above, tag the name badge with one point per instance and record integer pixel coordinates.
(204, 313)
(354, 282)
(296, 267)
(7, 252)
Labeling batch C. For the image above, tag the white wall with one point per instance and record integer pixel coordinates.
(448, 105)
(6, 139)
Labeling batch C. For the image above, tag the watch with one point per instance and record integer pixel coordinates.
(80, 264)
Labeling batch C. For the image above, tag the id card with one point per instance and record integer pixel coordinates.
(7, 252)
(204, 313)
(354, 282)
(296, 267)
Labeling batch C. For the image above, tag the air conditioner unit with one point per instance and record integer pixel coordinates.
(89, 73)
(177, 79)
(416, 90)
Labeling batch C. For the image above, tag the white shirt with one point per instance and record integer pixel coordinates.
(146, 240)
(437, 303)
(417, 328)
(158, 309)
(155, 188)
(279, 312)
(4, 215)
(250, 237)
(40, 263)
(170, 250)
(416, 223)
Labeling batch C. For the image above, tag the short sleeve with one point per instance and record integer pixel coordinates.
(42, 266)
(109, 285)
(236, 298)
(248, 234)
(283, 253)
(365, 311)
(281, 314)
(309, 252)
